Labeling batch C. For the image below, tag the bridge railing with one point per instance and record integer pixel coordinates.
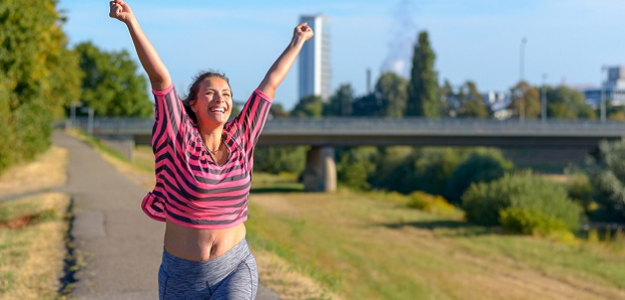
(405, 125)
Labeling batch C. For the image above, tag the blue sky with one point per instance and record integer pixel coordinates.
(479, 40)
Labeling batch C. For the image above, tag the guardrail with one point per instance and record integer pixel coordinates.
(387, 126)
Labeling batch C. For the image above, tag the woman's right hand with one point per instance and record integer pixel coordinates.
(120, 10)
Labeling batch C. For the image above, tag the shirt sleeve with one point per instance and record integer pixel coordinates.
(169, 115)
(252, 118)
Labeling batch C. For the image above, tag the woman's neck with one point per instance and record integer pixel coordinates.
(212, 137)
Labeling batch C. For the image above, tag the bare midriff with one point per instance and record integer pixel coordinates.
(201, 244)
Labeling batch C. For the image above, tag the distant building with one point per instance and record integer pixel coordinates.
(613, 88)
(499, 104)
(314, 60)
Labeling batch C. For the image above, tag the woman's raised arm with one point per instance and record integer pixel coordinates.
(151, 62)
(281, 67)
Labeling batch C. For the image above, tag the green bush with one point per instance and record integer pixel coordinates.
(394, 170)
(275, 160)
(607, 175)
(482, 165)
(430, 203)
(580, 190)
(525, 200)
(530, 221)
(356, 166)
(433, 168)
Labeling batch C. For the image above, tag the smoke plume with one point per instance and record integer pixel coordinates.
(403, 33)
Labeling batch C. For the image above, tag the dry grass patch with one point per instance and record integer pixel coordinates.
(280, 276)
(47, 171)
(31, 256)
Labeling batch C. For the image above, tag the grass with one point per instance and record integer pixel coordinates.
(33, 229)
(371, 246)
(32, 246)
(28, 177)
(362, 246)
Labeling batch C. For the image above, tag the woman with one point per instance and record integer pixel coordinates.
(203, 172)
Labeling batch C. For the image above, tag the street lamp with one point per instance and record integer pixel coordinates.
(543, 101)
(521, 75)
(90, 120)
(602, 101)
(73, 106)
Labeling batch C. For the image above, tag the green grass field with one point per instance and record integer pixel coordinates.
(371, 246)
(362, 246)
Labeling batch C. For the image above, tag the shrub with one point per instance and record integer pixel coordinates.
(607, 175)
(394, 170)
(531, 221)
(430, 203)
(356, 166)
(482, 165)
(580, 190)
(433, 168)
(274, 160)
(522, 200)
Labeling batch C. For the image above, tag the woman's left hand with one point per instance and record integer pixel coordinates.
(302, 31)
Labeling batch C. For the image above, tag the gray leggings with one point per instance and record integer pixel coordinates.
(232, 275)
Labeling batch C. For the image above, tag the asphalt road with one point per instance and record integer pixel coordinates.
(122, 247)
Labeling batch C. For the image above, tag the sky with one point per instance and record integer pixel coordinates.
(566, 41)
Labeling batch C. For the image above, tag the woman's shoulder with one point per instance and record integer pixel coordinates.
(161, 91)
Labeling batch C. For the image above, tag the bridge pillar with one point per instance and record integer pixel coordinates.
(320, 173)
(124, 144)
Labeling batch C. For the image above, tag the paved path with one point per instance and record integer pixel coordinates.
(122, 246)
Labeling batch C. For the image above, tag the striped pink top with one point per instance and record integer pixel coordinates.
(191, 189)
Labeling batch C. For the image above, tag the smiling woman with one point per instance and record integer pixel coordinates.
(203, 165)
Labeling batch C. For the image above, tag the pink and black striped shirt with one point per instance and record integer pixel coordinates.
(191, 189)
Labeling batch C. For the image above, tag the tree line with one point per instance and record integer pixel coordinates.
(40, 76)
(422, 96)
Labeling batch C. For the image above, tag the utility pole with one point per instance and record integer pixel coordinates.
(602, 102)
(521, 79)
(543, 101)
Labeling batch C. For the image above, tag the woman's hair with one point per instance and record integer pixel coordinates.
(195, 86)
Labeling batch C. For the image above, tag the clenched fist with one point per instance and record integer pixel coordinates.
(303, 31)
(120, 10)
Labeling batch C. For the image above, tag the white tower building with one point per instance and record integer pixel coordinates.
(314, 60)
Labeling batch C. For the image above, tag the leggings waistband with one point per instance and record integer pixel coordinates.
(237, 253)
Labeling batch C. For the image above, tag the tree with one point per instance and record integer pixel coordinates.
(392, 95)
(38, 75)
(526, 100)
(367, 106)
(111, 85)
(341, 102)
(447, 98)
(607, 173)
(277, 110)
(308, 107)
(471, 103)
(566, 103)
(422, 90)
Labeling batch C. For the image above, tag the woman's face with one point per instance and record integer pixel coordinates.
(213, 102)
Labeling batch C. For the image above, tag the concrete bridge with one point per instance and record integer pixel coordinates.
(325, 134)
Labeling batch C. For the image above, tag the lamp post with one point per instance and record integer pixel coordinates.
(90, 120)
(543, 101)
(602, 101)
(73, 106)
(521, 78)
